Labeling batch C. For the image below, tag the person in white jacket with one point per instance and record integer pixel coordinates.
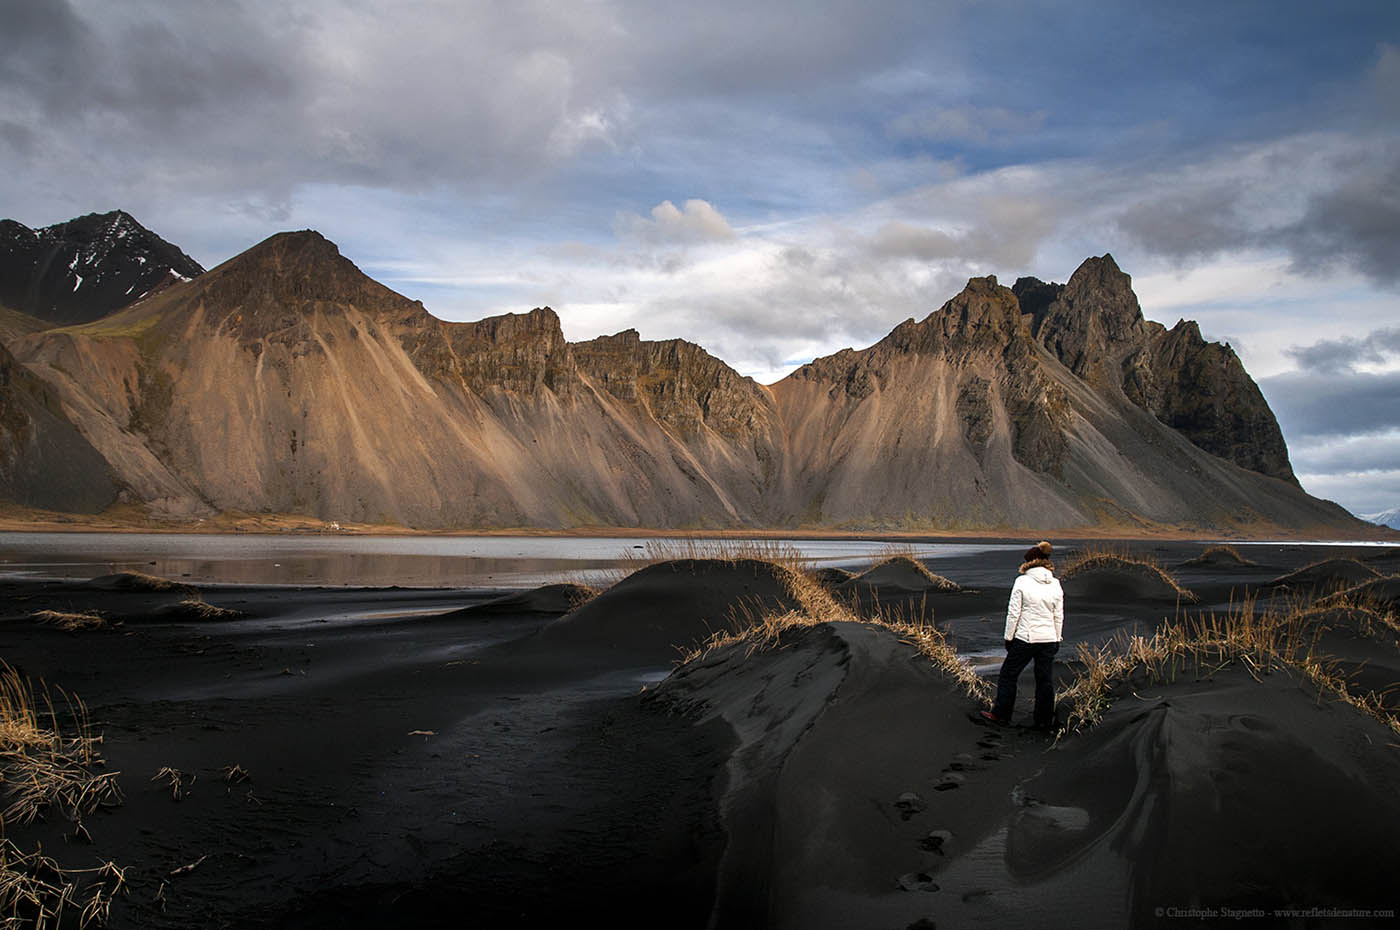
(1035, 620)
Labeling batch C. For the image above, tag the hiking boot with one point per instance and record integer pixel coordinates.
(993, 719)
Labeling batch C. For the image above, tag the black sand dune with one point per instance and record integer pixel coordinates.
(551, 599)
(656, 613)
(1219, 558)
(894, 578)
(1124, 581)
(1331, 574)
(1362, 647)
(1383, 592)
(417, 760)
(830, 578)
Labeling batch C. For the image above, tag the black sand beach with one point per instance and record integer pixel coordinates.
(445, 758)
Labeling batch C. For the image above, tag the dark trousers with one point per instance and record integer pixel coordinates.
(1018, 655)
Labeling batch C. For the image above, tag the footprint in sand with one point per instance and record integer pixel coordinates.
(908, 804)
(935, 841)
(916, 881)
(949, 781)
(962, 762)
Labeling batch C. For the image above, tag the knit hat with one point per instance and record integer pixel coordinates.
(1039, 551)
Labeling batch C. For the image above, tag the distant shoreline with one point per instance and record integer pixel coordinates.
(292, 525)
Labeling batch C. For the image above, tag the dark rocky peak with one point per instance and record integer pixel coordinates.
(1035, 297)
(273, 286)
(1201, 390)
(86, 268)
(1093, 321)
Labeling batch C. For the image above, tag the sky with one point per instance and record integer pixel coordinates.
(771, 180)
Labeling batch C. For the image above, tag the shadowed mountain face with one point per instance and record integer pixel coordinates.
(44, 461)
(85, 268)
(1095, 327)
(287, 381)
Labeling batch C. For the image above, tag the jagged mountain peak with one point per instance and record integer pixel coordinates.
(1092, 322)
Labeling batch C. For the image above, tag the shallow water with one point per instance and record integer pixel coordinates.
(375, 561)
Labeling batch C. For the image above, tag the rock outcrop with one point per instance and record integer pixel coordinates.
(86, 268)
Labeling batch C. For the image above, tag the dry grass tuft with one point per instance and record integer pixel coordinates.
(140, 581)
(1220, 555)
(699, 549)
(236, 774)
(71, 621)
(175, 780)
(42, 768)
(36, 892)
(1095, 558)
(908, 562)
(1282, 636)
(757, 632)
(579, 594)
(198, 609)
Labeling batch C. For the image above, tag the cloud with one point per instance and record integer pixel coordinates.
(1188, 225)
(980, 125)
(1355, 224)
(1360, 492)
(1340, 355)
(696, 221)
(1378, 452)
(1342, 404)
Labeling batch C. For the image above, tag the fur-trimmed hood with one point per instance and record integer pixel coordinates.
(1037, 563)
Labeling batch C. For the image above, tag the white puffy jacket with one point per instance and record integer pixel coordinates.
(1036, 613)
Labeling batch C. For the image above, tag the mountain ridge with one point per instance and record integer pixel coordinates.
(285, 380)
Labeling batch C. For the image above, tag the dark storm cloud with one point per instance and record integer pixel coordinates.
(44, 47)
(146, 66)
(1333, 355)
(1356, 225)
(1189, 225)
(1312, 404)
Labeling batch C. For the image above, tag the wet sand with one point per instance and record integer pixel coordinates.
(427, 758)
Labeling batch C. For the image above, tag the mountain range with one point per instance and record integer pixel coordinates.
(1389, 518)
(287, 381)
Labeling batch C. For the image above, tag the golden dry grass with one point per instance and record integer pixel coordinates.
(198, 609)
(1096, 558)
(35, 892)
(175, 780)
(1219, 554)
(43, 769)
(905, 559)
(756, 632)
(1283, 635)
(71, 621)
(140, 581)
(579, 594)
(693, 548)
